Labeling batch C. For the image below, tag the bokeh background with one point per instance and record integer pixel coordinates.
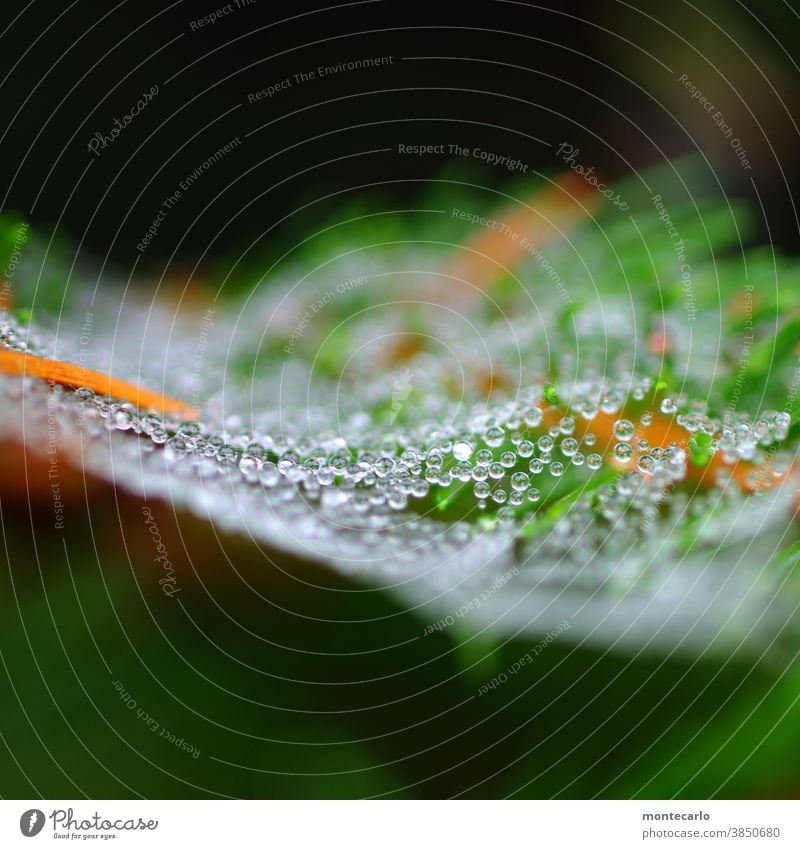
(285, 679)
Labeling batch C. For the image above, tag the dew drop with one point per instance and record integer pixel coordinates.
(508, 459)
(494, 437)
(623, 452)
(499, 495)
(533, 417)
(594, 461)
(462, 451)
(481, 489)
(525, 448)
(520, 481)
(624, 430)
(569, 447)
(249, 465)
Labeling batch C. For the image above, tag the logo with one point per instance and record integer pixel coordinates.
(31, 822)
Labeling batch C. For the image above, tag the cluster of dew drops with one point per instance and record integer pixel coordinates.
(505, 458)
(502, 457)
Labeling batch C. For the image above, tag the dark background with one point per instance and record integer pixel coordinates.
(591, 73)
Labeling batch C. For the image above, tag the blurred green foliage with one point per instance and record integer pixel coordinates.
(293, 695)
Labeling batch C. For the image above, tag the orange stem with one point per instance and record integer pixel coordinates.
(67, 374)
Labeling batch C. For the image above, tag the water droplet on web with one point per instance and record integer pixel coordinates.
(176, 448)
(158, 435)
(420, 488)
(228, 454)
(645, 463)
(623, 452)
(190, 430)
(594, 461)
(533, 417)
(494, 437)
(480, 473)
(481, 490)
(123, 419)
(569, 447)
(397, 500)
(249, 465)
(499, 495)
(525, 448)
(462, 450)
(624, 430)
(325, 475)
(520, 481)
(610, 404)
